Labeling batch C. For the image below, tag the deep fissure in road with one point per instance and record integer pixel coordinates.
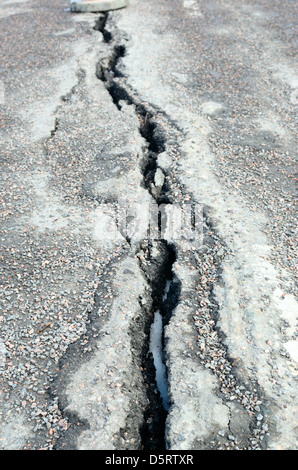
(159, 257)
(156, 258)
(156, 261)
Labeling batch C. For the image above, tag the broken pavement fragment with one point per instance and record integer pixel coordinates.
(96, 5)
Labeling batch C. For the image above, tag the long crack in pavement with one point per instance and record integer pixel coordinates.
(112, 180)
(153, 133)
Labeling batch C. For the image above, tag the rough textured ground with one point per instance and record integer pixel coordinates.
(162, 102)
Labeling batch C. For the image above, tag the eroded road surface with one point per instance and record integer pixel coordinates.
(148, 226)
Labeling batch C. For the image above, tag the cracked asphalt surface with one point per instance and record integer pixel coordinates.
(161, 102)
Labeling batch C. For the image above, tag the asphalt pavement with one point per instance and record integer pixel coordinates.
(148, 165)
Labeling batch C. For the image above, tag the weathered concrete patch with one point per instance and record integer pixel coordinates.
(102, 390)
(13, 432)
(96, 5)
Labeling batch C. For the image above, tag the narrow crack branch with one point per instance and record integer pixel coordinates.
(64, 99)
